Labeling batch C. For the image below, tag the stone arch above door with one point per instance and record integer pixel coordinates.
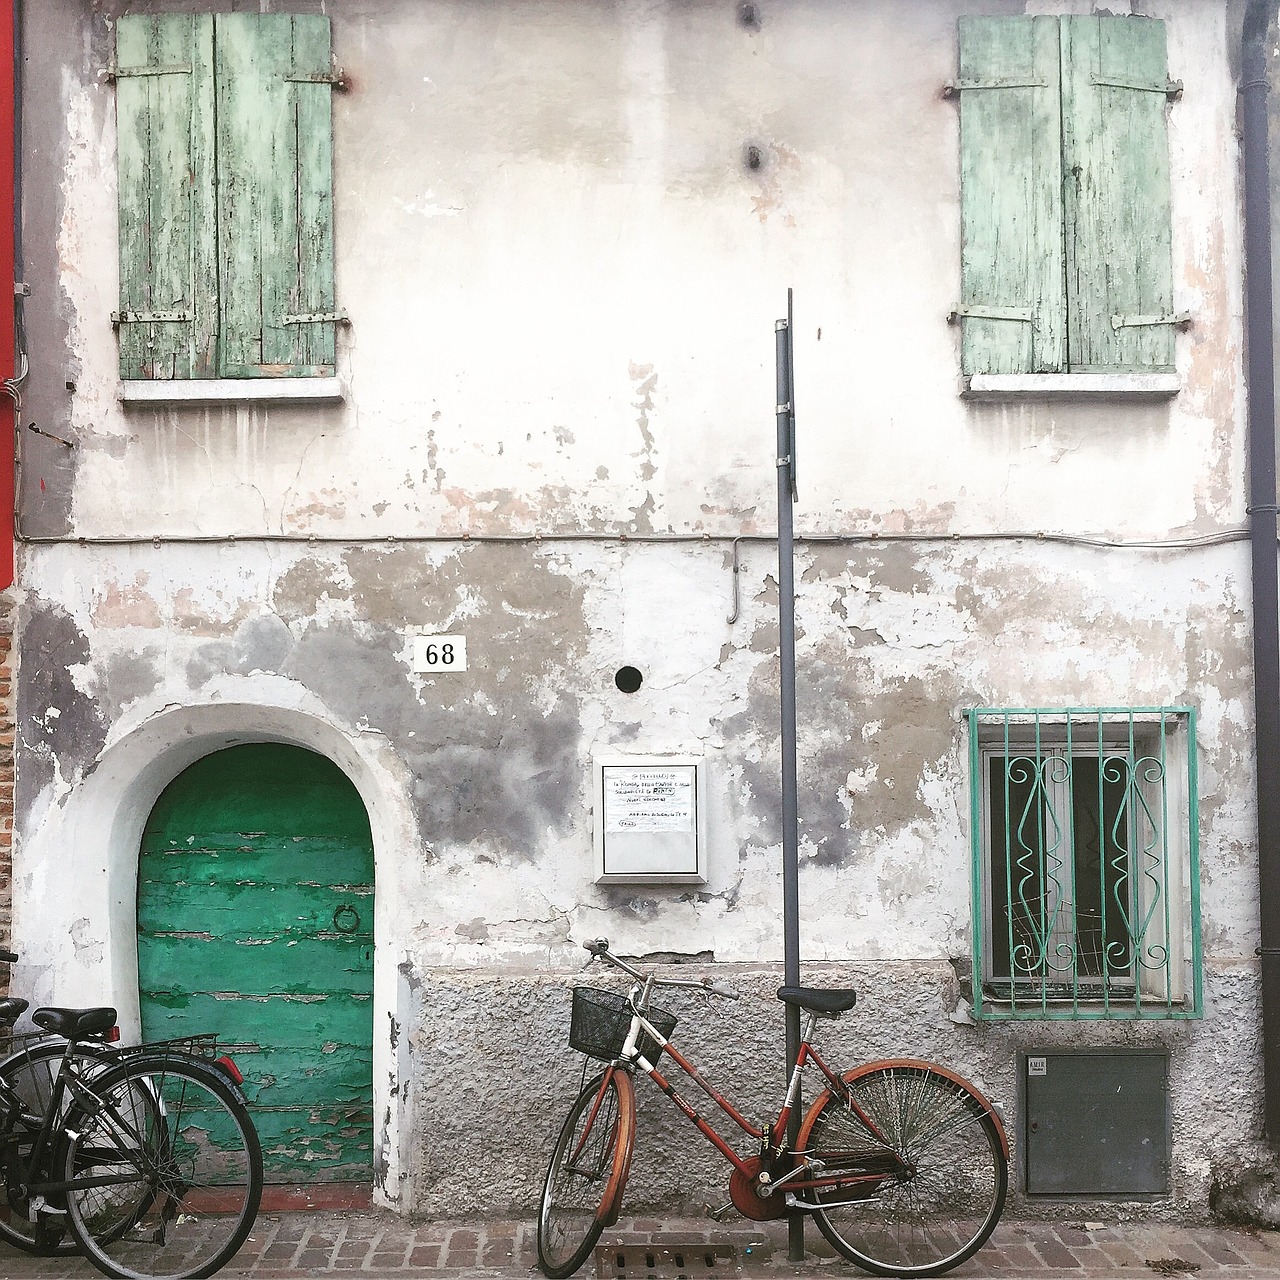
(75, 882)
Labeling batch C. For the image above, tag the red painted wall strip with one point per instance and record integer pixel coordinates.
(8, 416)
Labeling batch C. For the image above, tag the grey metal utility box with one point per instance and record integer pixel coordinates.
(1096, 1122)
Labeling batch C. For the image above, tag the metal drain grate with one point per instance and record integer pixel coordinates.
(694, 1261)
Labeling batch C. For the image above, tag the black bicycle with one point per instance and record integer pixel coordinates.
(145, 1159)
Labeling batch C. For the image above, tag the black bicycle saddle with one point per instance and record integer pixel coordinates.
(825, 1000)
(72, 1023)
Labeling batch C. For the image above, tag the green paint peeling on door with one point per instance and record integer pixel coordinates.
(255, 920)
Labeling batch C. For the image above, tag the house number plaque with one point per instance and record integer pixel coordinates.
(439, 653)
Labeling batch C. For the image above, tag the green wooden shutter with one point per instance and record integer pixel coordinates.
(168, 273)
(1013, 307)
(275, 203)
(1116, 181)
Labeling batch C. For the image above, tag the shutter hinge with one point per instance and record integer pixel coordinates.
(114, 73)
(148, 317)
(1021, 314)
(954, 87)
(1172, 89)
(319, 317)
(337, 78)
(1179, 320)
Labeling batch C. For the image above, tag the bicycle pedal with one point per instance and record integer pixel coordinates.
(38, 1208)
(720, 1214)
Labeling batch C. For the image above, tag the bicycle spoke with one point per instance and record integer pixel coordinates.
(582, 1173)
(182, 1170)
(944, 1198)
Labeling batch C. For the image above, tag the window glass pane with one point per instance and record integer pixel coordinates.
(1101, 865)
(1025, 839)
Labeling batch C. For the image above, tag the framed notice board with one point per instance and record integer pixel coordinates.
(650, 819)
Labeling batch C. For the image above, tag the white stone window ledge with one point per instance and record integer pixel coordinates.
(228, 391)
(1066, 386)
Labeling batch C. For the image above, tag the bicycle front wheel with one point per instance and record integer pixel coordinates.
(587, 1174)
(164, 1170)
(941, 1204)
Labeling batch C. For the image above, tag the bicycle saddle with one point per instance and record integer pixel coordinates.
(829, 1001)
(75, 1022)
(12, 1008)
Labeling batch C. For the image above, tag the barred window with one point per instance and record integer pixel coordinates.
(1085, 873)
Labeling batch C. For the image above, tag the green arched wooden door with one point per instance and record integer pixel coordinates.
(255, 920)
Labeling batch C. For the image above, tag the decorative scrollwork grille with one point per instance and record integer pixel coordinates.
(1085, 874)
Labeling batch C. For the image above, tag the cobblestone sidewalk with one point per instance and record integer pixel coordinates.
(287, 1246)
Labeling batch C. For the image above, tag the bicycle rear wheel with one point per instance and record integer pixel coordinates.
(29, 1072)
(587, 1174)
(168, 1187)
(939, 1210)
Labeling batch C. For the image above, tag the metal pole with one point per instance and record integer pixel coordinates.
(1260, 383)
(786, 466)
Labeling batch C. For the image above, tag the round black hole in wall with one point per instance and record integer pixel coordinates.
(628, 679)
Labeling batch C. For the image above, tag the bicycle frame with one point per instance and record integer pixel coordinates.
(902, 1163)
(871, 1169)
(20, 1124)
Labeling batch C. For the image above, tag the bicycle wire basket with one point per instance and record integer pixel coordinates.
(600, 1021)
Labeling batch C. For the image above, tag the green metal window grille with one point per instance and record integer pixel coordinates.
(1085, 863)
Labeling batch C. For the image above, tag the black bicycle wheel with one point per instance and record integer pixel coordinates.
(168, 1189)
(29, 1073)
(587, 1174)
(929, 1216)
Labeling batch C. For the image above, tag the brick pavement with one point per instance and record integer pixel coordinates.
(288, 1246)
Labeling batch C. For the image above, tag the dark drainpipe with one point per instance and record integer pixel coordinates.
(1260, 383)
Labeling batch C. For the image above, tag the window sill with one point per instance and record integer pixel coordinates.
(1070, 386)
(216, 391)
(1087, 1011)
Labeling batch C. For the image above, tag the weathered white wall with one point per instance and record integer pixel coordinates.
(563, 281)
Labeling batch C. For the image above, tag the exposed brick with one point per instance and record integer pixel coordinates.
(1054, 1253)
(464, 1248)
(6, 781)
(1220, 1251)
(498, 1253)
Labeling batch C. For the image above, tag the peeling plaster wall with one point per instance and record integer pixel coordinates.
(563, 280)
(494, 774)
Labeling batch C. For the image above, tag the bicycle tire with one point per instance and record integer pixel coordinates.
(941, 1211)
(587, 1174)
(185, 1176)
(30, 1072)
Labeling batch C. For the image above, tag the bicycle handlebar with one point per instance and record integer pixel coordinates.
(599, 948)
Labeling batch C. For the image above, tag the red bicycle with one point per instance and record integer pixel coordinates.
(903, 1164)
